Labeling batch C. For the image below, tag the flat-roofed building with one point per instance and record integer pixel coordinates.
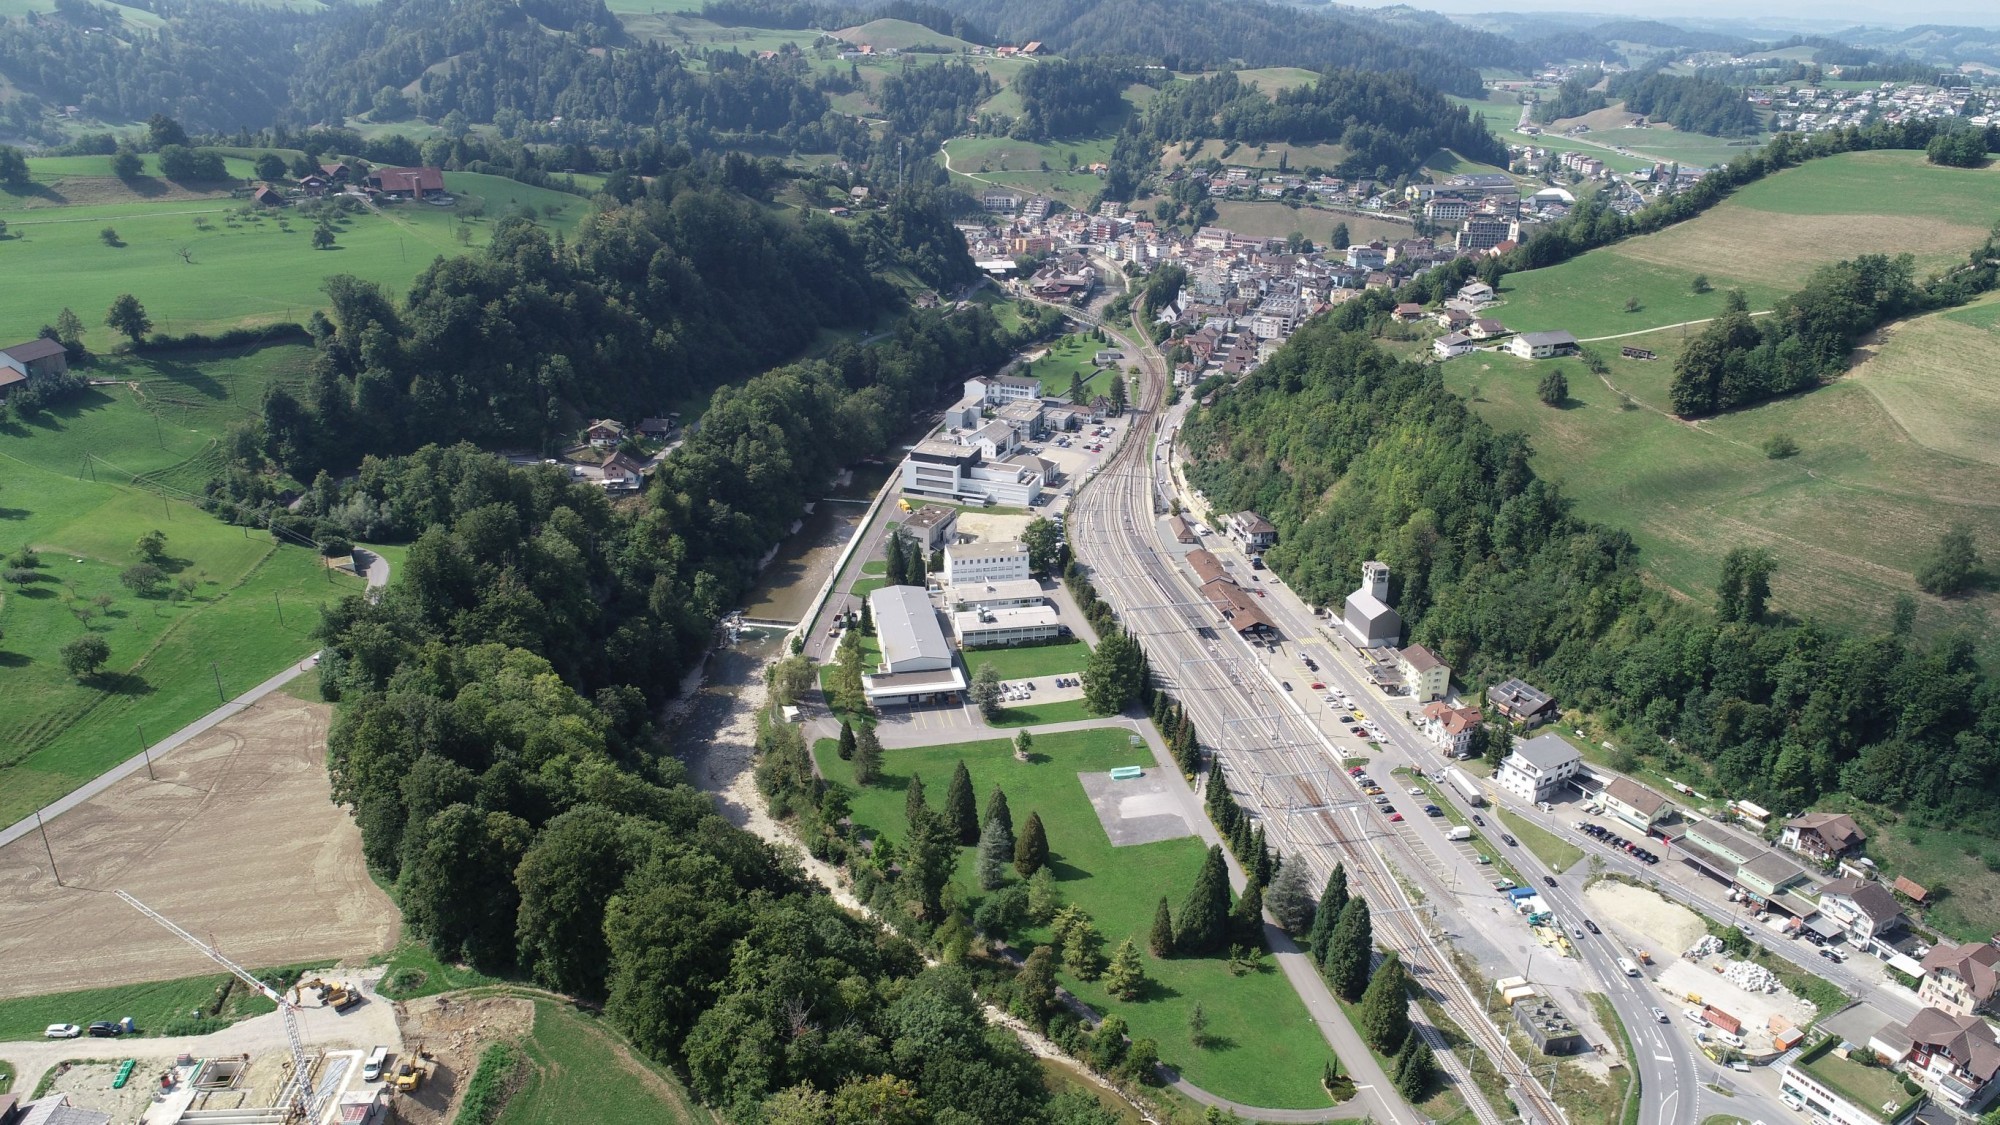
(1005, 593)
(1635, 804)
(1547, 1027)
(1539, 767)
(952, 471)
(933, 525)
(981, 563)
(1013, 625)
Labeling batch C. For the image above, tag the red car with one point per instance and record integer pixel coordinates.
(1319, 686)
(1354, 771)
(1395, 818)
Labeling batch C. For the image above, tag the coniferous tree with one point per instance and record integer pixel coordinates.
(1404, 1054)
(846, 741)
(1126, 975)
(1346, 962)
(961, 811)
(1260, 857)
(867, 756)
(867, 619)
(1204, 920)
(1290, 900)
(1031, 851)
(1414, 1078)
(914, 805)
(996, 851)
(1246, 919)
(996, 809)
(1161, 941)
(1327, 914)
(1035, 986)
(1044, 898)
(1385, 1006)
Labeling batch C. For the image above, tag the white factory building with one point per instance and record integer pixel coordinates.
(1015, 625)
(917, 662)
(946, 470)
(978, 564)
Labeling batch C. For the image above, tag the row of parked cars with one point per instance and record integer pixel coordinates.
(1606, 836)
(102, 1029)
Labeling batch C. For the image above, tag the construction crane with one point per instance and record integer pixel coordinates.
(305, 1100)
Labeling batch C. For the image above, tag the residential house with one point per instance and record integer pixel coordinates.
(1486, 328)
(1862, 910)
(1961, 979)
(1542, 345)
(1428, 677)
(1452, 344)
(1456, 320)
(1822, 836)
(265, 197)
(1367, 618)
(1521, 702)
(622, 473)
(604, 432)
(1253, 531)
(659, 428)
(1409, 312)
(1450, 728)
(933, 526)
(408, 183)
(980, 563)
(1476, 293)
(1368, 256)
(1957, 1056)
(1539, 767)
(1635, 804)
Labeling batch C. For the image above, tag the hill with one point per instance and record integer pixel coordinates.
(1764, 239)
(899, 35)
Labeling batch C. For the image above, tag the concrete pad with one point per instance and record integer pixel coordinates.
(1144, 810)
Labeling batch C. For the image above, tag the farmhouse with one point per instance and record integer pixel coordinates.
(408, 183)
(917, 664)
(1542, 345)
(37, 359)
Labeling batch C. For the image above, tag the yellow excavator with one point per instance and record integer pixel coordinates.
(411, 1069)
(332, 994)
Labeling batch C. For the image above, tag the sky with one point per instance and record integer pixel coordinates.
(1811, 15)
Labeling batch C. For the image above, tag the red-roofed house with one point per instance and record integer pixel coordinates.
(408, 183)
(1450, 727)
(1961, 979)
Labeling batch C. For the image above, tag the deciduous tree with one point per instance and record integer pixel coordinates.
(126, 315)
(1950, 567)
(83, 656)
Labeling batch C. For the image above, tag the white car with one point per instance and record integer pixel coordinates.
(1659, 1015)
(61, 1031)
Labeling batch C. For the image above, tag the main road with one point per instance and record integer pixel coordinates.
(1279, 764)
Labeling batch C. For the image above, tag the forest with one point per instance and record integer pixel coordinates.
(1389, 123)
(1066, 99)
(1737, 360)
(1214, 34)
(1355, 455)
(1690, 104)
(1573, 98)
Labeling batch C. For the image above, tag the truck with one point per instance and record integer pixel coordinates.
(1463, 782)
(1459, 833)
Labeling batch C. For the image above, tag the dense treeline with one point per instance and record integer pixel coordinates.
(1060, 98)
(930, 104)
(1389, 123)
(1592, 223)
(1356, 456)
(1574, 97)
(215, 65)
(1691, 104)
(1737, 361)
(1196, 34)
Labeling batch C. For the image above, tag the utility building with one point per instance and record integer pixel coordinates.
(1368, 620)
(917, 663)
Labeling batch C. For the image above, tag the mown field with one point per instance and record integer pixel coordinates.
(1296, 157)
(67, 489)
(1847, 517)
(1040, 168)
(1764, 239)
(1266, 1050)
(153, 1007)
(1275, 220)
(243, 265)
(575, 1069)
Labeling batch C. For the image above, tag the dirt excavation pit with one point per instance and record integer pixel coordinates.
(236, 840)
(1660, 927)
(453, 1032)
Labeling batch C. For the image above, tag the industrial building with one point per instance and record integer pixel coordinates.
(1015, 625)
(917, 662)
(1368, 620)
(968, 564)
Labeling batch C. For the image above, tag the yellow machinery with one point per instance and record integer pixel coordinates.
(410, 1069)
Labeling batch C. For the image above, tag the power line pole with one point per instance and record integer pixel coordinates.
(47, 848)
(218, 682)
(146, 751)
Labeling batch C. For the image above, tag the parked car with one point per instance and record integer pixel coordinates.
(105, 1029)
(1433, 810)
(61, 1031)
(1395, 818)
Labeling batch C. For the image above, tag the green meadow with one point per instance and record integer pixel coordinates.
(208, 264)
(79, 485)
(1265, 1050)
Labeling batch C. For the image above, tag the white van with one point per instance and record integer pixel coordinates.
(371, 1071)
(1626, 966)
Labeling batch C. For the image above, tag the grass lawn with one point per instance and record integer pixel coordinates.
(1042, 714)
(1027, 661)
(1558, 854)
(249, 266)
(1870, 1086)
(413, 971)
(1043, 168)
(1273, 79)
(1276, 220)
(865, 586)
(84, 519)
(1298, 158)
(1267, 1051)
(152, 1005)
(576, 1069)
(1070, 356)
(901, 35)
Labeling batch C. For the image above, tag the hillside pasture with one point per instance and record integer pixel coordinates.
(1935, 376)
(900, 35)
(1296, 157)
(1272, 80)
(245, 265)
(1847, 517)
